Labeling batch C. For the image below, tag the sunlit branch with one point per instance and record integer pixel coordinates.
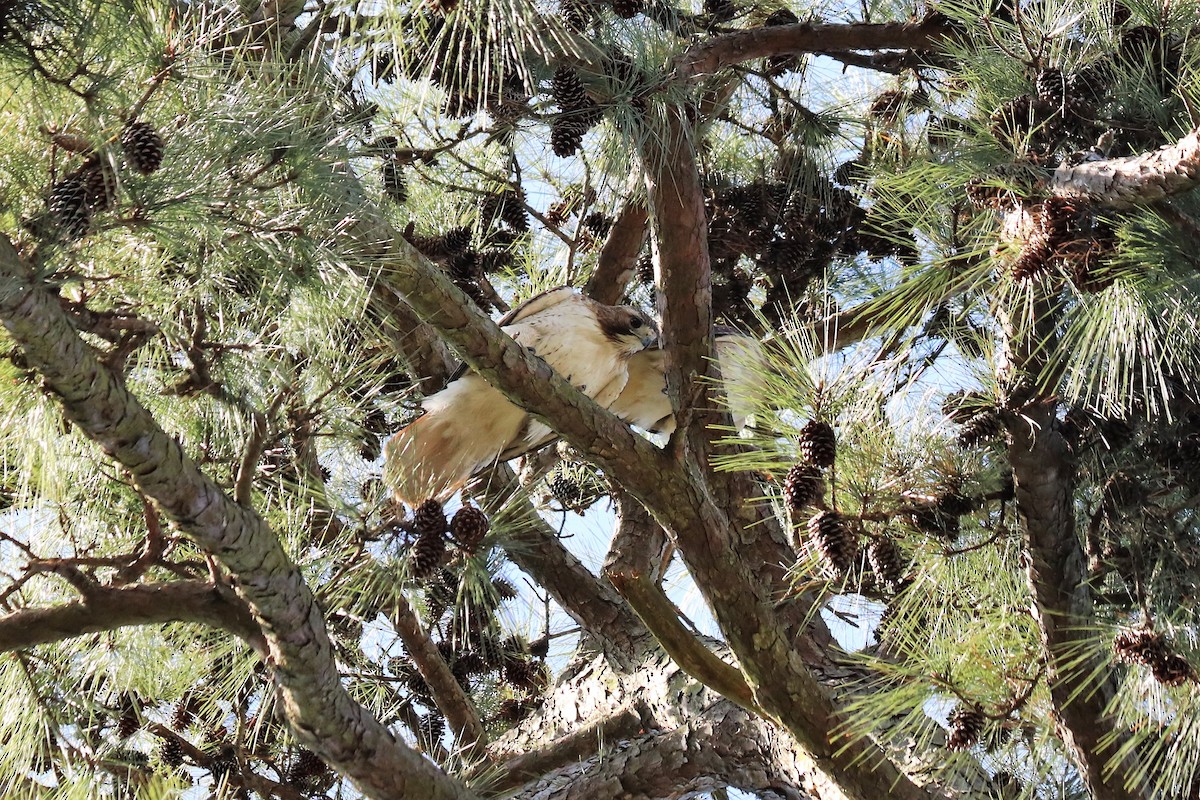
(110, 609)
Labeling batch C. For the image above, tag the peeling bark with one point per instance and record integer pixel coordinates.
(321, 713)
(690, 739)
(1135, 180)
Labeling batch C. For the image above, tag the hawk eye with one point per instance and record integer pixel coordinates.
(635, 323)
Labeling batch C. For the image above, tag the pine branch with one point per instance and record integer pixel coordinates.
(1134, 180)
(632, 572)
(450, 698)
(533, 546)
(109, 609)
(683, 275)
(617, 261)
(1045, 477)
(321, 713)
(520, 376)
(571, 747)
(719, 52)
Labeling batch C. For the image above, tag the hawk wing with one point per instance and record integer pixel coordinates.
(470, 424)
(644, 402)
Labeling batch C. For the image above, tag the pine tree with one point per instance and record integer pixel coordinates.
(963, 274)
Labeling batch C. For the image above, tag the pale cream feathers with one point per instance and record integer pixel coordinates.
(644, 402)
(469, 424)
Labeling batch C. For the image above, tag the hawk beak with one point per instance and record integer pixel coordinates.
(650, 341)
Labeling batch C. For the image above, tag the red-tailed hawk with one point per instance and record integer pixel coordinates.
(469, 424)
(644, 402)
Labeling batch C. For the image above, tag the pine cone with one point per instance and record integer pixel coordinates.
(1035, 258)
(305, 766)
(1092, 83)
(222, 761)
(627, 9)
(432, 728)
(1051, 86)
(427, 554)
(955, 503)
(99, 184)
(572, 98)
(566, 136)
(833, 541)
(130, 720)
(962, 406)
(429, 518)
(576, 14)
(440, 594)
(985, 427)
(170, 752)
(934, 521)
(416, 684)
(470, 663)
(1138, 646)
(778, 65)
(143, 147)
(966, 724)
(565, 489)
(469, 527)
(504, 589)
(887, 106)
(68, 206)
(803, 485)
(645, 268)
(185, 712)
(720, 10)
(457, 240)
(395, 185)
(598, 223)
(818, 446)
(886, 561)
(1170, 669)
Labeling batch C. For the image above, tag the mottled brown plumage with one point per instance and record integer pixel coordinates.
(470, 424)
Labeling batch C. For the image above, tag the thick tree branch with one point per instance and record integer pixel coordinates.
(321, 713)
(1135, 180)
(533, 546)
(1080, 688)
(451, 700)
(719, 52)
(418, 342)
(683, 275)
(689, 739)
(633, 575)
(717, 538)
(616, 264)
(1045, 476)
(108, 608)
(574, 746)
(522, 377)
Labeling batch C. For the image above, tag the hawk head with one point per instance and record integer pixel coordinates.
(628, 328)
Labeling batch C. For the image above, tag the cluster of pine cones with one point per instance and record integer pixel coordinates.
(1145, 647)
(791, 228)
(468, 528)
(92, 187)
(502, 222)
(1067, 235)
